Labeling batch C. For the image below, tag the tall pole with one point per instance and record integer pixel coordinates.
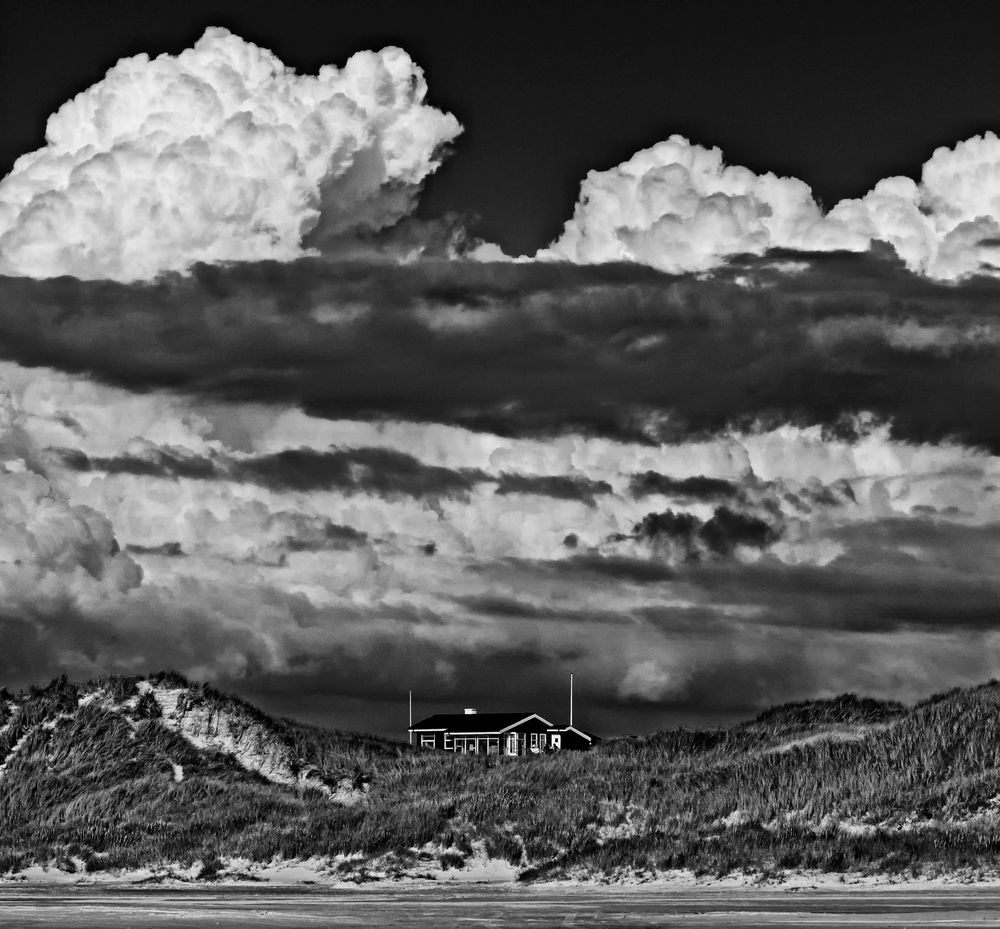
(409, 731)
(571, 698)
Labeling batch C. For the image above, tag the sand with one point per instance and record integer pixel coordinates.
(438, 907)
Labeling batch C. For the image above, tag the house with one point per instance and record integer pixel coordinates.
(472, 733)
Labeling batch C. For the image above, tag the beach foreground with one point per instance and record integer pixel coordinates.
(424, 908)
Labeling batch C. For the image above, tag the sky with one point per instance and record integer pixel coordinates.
(353, 349)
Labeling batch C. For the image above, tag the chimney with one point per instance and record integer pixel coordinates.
(470, 711)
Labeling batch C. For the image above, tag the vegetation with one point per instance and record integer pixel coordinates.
(839, 785)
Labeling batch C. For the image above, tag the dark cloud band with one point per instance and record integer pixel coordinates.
(617, 350)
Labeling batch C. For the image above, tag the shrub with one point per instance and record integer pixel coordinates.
(451, 860)
(94, 862)
(211, 865)
(147, 707)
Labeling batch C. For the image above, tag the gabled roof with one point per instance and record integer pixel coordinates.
(580, 732)
(475, 722)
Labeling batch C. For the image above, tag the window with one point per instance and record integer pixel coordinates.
(427, 741)
(535, 742)
(556, 741)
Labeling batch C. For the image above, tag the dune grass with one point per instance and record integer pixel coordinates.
(846, 784)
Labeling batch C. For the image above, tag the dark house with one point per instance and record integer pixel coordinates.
(472, 733)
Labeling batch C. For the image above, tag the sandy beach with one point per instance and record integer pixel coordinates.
(423, 907)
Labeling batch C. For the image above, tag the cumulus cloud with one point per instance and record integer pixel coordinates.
(947, 225)
(220, 153)
(43, 533)
(678, 207)
(52, 551)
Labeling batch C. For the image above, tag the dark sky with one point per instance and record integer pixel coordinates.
(837, 94)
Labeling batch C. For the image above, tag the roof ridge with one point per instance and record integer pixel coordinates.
(472, 718)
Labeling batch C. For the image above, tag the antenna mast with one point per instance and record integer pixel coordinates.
(571, 698)
(409, 732)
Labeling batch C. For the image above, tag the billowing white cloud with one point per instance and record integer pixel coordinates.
(223, 153)
(946, 225)
(219, 153)
(678, 207)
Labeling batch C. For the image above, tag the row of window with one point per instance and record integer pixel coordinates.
(468, 745)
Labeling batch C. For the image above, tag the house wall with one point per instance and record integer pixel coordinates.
(420, 739)
(574, 742)
(531, 737)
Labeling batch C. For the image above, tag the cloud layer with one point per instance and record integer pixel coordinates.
(219, 154)
(702, 495)
(678, 207)
(541, 349)
(317, 564)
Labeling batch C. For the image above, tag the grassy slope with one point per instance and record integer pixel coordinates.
(841, 784)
